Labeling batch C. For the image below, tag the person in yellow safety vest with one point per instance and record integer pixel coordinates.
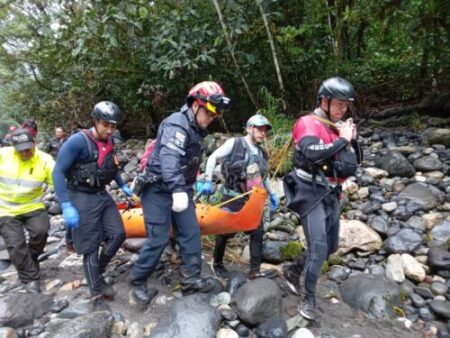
(24, 173)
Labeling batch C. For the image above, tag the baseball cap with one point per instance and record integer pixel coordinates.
(22, 139)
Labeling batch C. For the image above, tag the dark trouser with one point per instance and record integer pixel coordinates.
(158, 216)
(256, 242)
(256, 245)
(100, 221)
(25, 256)
(321, 227)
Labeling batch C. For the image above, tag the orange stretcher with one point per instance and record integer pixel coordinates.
(212, 220)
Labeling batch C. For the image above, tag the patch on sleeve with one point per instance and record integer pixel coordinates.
(180, 139)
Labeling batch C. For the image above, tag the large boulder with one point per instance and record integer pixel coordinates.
(91, 325)
(395, 164)
(437, 136)
(21, 309)
(258, 300)
(354, 234)
(420, 193)
(372, 294)
(188, 317)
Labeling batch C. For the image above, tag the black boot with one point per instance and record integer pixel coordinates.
(198, 284)
(141, 295)
(106, 290)
(308, 308)
(220, 270)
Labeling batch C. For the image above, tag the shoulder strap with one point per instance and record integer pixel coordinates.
(93, 152)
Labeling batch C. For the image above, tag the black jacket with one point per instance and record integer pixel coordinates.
(178, 151)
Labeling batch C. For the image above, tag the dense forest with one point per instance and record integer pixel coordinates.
(59, 57)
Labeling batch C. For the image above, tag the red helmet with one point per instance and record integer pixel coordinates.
(209, 95)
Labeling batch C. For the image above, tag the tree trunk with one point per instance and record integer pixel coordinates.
(274, 53)
(233, 56)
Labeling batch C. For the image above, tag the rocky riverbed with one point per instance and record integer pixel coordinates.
(389, 278)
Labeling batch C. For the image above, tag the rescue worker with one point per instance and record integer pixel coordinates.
(86, 163)
(167, 198)
(326, 153)
(24, 173)
(244, 167)
(55, 143)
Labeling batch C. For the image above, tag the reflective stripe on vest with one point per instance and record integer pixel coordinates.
(22, 183)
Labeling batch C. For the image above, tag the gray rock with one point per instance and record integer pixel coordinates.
(258, 300)
(421, 194)
(54, 209)
(425, 314)
(438, 258)
(424, 290)
(21, 309)
(428, 163)
(406, 240)
(441, 308)
(417, 300)
(274, 327)
(437, 136)
(439, 288)
(338, 273)
(271, 251)
(188, 317)
(396, 164)
(377, 270)
(441, 232)
(379, 224)
(371, 294)
(235, 280)
(407, 287)
(92, 325)
(76, 309)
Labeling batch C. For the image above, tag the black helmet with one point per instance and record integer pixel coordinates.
(107, 111)
(336, 88)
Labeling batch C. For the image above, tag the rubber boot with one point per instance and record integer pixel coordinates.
(141, 295)
(199, 284)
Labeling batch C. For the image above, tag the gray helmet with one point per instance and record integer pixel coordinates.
(336, 88)
(107, 111)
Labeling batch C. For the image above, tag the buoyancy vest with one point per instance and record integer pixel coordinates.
(337, 167)
(22, 182)
(98, 170)
(243, 169)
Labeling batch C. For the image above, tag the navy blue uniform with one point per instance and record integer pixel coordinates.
(77, 164)
(174, 164)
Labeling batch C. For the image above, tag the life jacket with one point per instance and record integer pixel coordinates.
(243, 170)
(98, 170)
(337, 167)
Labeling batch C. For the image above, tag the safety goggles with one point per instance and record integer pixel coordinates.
(217, 104)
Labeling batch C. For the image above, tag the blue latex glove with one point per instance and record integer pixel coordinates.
(205, 187)
(126, 190)
(71, 217)
(273, 201)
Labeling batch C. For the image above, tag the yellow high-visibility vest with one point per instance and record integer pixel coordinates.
(22, 183)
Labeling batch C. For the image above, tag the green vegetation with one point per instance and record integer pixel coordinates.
(291, 250)
(57, 58)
